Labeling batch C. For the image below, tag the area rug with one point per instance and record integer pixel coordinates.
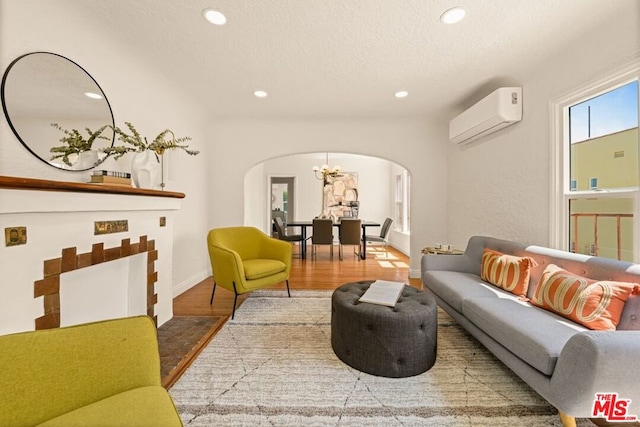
(273, 365)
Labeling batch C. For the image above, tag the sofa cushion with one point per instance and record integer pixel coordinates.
(508, 272)
(140, 407)
(259, 268)
(594, 304)
(454, 287)
(534, 335)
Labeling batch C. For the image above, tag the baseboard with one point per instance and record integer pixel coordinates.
(185, 285)
(414, 273)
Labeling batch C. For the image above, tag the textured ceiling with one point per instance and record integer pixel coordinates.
(345, 58)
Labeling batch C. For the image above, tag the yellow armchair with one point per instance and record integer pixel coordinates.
(244, 259)
(97, 374)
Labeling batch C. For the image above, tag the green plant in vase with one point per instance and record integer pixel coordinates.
(75, 142)
(143, 166)
(134, 142)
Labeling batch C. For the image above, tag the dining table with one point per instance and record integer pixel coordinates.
(309, 223)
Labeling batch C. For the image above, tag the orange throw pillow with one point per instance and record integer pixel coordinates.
(592, 303)
(508, 272)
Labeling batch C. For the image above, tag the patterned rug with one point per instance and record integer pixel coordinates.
(273, 365)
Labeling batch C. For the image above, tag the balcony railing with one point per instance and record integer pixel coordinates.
(593, 250)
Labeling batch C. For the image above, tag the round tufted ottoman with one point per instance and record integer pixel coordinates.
(386, 341)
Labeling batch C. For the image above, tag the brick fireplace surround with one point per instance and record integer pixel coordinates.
(49, 287)
(60, 217)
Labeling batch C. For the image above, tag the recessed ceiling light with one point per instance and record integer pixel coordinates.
(215, 17)
(260, 93)
(92, 95)
(453, 15)
(401, 94)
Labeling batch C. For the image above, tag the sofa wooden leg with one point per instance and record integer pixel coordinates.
(288, 293)
(567, 421)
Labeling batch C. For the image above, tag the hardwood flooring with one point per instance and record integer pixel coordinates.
(319, 274)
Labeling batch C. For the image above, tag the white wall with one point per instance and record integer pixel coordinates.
(413, 143)
(137, 93)
(255, 190)
(500, 185)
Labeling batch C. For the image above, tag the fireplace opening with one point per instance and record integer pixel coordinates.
(104, 291)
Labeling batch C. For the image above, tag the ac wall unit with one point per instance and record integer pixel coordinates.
(501, 108)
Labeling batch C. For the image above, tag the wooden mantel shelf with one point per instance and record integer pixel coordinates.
(18, 183)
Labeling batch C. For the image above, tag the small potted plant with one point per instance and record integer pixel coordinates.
(76, 144)
(146, 159)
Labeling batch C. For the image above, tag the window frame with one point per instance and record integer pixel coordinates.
(560, 158)
(402, 202)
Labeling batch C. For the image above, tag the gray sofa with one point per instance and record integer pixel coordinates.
(564, 362)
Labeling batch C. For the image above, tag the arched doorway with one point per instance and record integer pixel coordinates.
(382, 190)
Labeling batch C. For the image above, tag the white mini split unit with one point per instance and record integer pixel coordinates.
(501, 108)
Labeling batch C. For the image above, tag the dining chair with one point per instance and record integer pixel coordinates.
(382, 238)
(322, 235)
(282, 234)
(281, 214)
(350, 234)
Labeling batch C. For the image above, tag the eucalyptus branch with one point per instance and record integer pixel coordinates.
(74, 142)
(134, 142)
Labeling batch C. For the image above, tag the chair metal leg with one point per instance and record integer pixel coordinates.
(235, 299)
(288, 293)
(213, 292)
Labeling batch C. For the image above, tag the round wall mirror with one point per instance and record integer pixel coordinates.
(57, 111)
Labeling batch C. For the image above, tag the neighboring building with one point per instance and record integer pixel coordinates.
(604, 225)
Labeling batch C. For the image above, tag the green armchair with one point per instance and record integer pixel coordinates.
(244, 259)
(96, 374)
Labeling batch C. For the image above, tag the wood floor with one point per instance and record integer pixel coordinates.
(319, 274)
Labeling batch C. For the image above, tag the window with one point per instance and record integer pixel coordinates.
(402, 207)
(596, 209)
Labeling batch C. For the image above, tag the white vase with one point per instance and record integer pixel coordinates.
(145, 170)
(86, 160)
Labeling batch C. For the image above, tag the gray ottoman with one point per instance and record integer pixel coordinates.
(389, 342)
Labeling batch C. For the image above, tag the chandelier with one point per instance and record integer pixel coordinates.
(324, 171)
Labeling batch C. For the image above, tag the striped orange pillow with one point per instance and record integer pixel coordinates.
(592, 303)
(508, 272)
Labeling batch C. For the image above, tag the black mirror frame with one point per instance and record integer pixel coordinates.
(15, 131)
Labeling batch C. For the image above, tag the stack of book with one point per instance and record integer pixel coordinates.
(111, 178)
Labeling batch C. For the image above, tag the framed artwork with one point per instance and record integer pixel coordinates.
(341, 194)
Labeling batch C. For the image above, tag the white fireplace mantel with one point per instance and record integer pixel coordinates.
(61, 215)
